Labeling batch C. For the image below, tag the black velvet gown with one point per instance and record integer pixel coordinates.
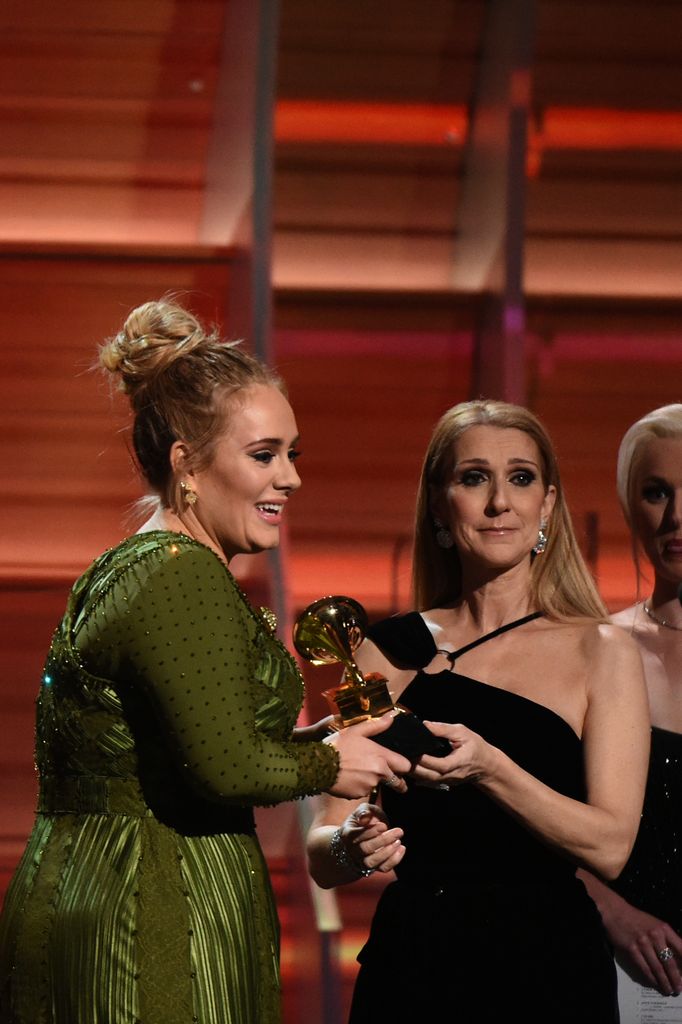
(485, 923)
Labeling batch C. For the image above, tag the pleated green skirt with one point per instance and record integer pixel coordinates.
(115, 919)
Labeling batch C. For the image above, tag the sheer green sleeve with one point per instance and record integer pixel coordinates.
(175, 625)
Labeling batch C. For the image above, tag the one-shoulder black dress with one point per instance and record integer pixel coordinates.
(485, 922)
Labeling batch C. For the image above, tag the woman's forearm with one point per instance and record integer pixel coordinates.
(593, 837)
(328, 867)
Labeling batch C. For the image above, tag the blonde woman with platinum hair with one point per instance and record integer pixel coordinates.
(642, 909)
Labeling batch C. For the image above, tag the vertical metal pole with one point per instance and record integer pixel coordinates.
(261, 253)
(261, 258)
(238, 194)
(263, 164)
(489, 249)
(238, 202)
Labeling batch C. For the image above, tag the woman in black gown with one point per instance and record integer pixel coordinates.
(509, 657)
(642, 910)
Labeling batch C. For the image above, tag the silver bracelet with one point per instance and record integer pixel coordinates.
(340, 854)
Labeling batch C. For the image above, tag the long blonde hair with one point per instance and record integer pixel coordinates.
(562, 586)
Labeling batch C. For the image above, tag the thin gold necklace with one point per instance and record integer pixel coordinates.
(661, 622)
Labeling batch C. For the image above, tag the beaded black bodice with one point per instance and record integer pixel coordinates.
(652, 878)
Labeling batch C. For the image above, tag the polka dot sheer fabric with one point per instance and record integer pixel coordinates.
(165, 714)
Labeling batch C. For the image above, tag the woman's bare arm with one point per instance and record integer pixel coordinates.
(600, 832)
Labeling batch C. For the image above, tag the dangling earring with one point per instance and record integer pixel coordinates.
(541, 543)
(188, 494)
(444, 538)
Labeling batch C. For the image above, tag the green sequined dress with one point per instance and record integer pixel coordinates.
(164, 716)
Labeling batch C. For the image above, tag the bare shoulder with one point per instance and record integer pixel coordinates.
(613, 659)
(606, 639)
(626, 617)
(586, 635)
(596, 648)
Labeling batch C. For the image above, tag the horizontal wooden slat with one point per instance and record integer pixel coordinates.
(102, 64)
(623, 208)
(71, 480)
(109, 214)
(153, 17)
(129, 137)
(617, 267)
(604, 30)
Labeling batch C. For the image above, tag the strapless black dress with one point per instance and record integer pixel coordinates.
(485, 922)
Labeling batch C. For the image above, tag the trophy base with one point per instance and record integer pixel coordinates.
(355, 703)
(409, 736)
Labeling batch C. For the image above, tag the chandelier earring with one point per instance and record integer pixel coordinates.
(189, 496)
(541, 542)
(444, 538)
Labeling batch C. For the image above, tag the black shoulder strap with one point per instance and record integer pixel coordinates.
(405, 639)
(453, 655)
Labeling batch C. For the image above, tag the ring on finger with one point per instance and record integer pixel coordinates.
(665, 954)
(392, 781)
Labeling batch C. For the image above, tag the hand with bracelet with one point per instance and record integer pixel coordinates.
(364, 843)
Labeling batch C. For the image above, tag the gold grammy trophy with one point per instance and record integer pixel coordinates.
(328, 632)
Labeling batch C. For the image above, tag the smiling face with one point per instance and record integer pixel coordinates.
(495, 499)
(656, 505)
(242, 493)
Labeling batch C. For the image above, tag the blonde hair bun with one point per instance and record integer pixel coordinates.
(153, 336)
(179, 376)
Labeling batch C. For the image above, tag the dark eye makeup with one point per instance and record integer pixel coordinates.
(523, 477)
(265, 456)
(474, 477)
(656, 491)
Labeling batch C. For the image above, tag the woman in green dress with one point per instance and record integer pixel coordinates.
(166, 712)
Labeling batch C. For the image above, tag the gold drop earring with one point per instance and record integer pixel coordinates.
(189, 496)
